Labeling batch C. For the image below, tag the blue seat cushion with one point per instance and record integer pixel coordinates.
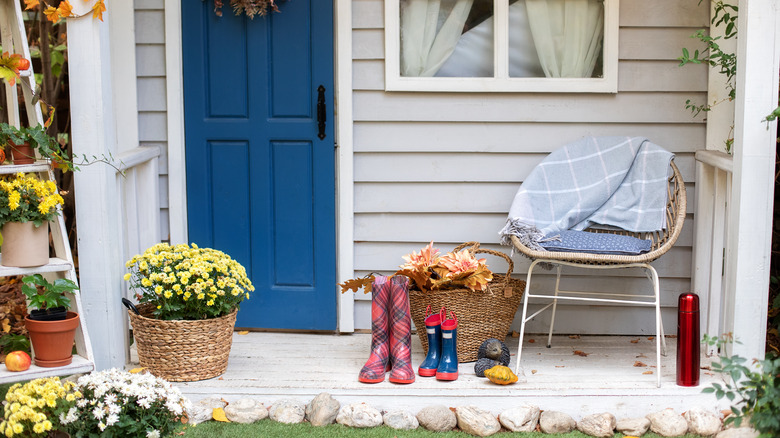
(595, 243)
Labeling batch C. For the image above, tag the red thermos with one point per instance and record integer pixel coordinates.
(688, 342)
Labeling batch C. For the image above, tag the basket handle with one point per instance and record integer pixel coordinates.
(499, 254)
(473, 246)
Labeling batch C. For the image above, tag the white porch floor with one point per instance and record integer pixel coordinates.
(612, 377)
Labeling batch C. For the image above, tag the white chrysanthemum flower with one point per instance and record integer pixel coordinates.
(153, 434)
(112, 419)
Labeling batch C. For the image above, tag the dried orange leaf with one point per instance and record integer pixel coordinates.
(574, 336)
(635, 341)
(243, 332)
(648, 372)
(356, 284)
(581, 353)
(531, 341)
(137, 370)
(533, 371)
(640, 364)
(219, 415)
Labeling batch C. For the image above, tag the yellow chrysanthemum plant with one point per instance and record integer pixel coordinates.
(188, 282)
(34, 409)
(27, 198)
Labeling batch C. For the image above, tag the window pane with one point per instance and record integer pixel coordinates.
(556, 38)
(446, 38)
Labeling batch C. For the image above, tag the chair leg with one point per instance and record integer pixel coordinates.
(518, 369)
(653, 275)
(555, 305)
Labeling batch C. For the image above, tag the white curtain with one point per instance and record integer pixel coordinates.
(429, 35)
(567, 35)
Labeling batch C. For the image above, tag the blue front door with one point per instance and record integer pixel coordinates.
(260, 165)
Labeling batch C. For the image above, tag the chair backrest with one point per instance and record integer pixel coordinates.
(662, 240)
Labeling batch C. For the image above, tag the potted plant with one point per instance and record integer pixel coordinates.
(24, 141)
(52, 328)
(189, 297)
(27, 204)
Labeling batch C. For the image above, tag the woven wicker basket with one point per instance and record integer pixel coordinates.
(481, 315)
(183, 351)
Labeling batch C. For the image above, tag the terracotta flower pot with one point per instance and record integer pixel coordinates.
(25, 245)
(52, 341)
(23, 153)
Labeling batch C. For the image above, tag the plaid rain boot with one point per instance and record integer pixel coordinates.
(433, 330)
(448, 364)
(400, 331)
(374, 369)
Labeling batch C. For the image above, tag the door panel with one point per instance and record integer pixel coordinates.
(260, 183)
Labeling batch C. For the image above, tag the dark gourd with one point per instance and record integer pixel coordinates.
(494, 349)
(484, 364)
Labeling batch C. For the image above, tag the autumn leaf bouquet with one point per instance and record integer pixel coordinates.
(188, 282)
(429, 271)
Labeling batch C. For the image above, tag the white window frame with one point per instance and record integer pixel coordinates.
(501, 81)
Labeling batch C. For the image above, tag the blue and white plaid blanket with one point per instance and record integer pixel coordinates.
(611, 181)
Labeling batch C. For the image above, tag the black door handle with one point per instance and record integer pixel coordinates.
(321, 117)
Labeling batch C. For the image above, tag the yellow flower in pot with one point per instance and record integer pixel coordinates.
(27, 204)
(52, 328)
(189, 297)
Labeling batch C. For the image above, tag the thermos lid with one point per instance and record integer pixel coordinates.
(688, 302)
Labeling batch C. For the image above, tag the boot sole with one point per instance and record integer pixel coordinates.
(365, 380)
(402, 381)
(447, 376)
(426, 372)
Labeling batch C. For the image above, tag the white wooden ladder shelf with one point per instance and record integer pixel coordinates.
(61, 265)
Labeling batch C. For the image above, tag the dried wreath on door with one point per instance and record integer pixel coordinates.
(248, 7)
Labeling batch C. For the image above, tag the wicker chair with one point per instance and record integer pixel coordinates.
(662, 241)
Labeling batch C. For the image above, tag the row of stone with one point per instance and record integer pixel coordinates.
(324, 410)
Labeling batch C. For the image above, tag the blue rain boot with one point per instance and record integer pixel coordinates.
(448, 363)
(433, 329)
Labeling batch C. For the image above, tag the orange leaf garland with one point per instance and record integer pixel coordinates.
(11, 65)
(52, 14)
(30, 4)
(65, 9)
(98, 9)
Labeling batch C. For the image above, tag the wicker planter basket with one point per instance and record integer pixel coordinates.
(183, 351)
(481, 315)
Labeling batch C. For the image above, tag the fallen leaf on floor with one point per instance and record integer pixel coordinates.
(670, 336)
(221, 378)
(650, 338)
(243, 332)
(560, 366)
(574, 336)
(580, 353)
(531, 341)
(635, 341)
(648, 372)
(533, 371)
(640, 364)
(136, 370)
(706, 367)
(515, 334)
(219, 415)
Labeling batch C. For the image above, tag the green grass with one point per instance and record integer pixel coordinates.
(268, 428)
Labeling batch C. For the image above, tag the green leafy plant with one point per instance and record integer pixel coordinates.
(724, 15)
(45, 295)
(754, 392)
(37, 137)
(14, 342)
